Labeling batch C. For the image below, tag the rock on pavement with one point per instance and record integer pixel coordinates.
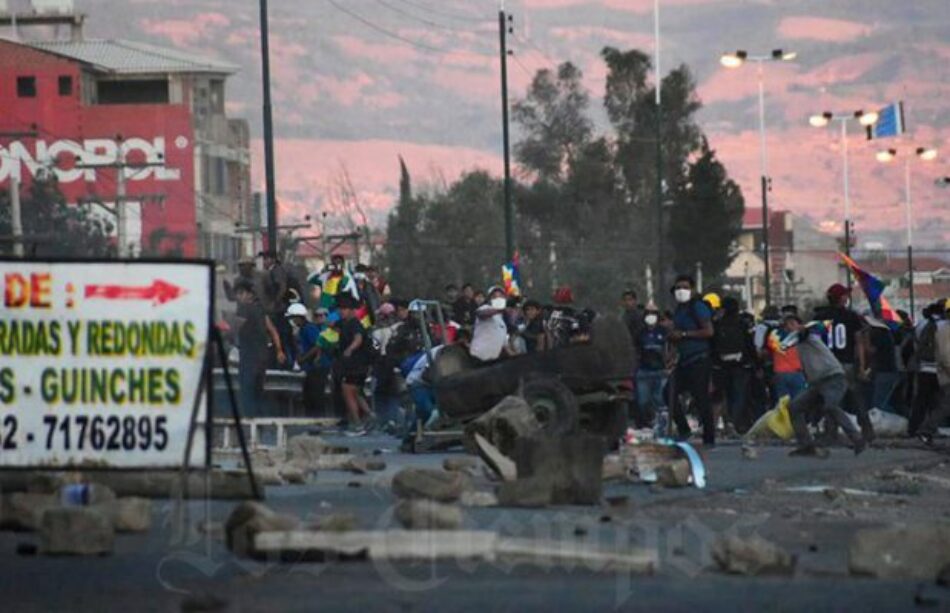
(751, 556)
(428, 515)
(430, 484)
(247, 520)
(128, 514)
(76, 531)
(901, 552)
(24, 511)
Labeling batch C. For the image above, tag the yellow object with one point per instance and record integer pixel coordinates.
(776, 422)
(713, 300)
(946, 305)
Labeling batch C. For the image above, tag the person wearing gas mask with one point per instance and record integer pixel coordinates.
(491, 332)
(691, 331)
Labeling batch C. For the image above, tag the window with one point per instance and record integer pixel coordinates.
(65, 85)
(26, 87)
(133, 91)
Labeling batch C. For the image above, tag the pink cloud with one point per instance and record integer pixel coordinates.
(633, 6)
(184, 32)
(386, 53)
(819, 28)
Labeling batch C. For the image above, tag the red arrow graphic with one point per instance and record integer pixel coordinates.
(159, 292)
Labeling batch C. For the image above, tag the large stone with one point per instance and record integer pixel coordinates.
(460, 464)
(571, 465)
(128, 514)
(751, 556)
(428, 515)
(24, 511)
(305, 450)
(901, 552)
(676, 473)
(530, 492)
(430, 484)
(335, 522)
(76, 531)
(362, 465)
(507, 422)
(249, 519)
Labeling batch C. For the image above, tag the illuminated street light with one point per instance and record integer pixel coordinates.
(925, 154)
(735, 60)
(821, 120)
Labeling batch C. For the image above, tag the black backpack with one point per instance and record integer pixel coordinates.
(729, 337)
(927, 344)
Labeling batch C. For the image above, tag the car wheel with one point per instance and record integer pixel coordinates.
(553, 404)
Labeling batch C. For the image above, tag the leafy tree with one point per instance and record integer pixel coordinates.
(707, 216)
(552, 117)
(54, 228)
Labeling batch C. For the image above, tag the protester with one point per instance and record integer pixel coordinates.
(306, 355)
(386, 389)
(827, 385)
(449, 298)
(533, 331)
(254, 332)
(656, 355)
(848, 341)
(928, 428)
(691, 332)
(928, 385)
(882, 362)
(632, 316)
(733, 358)
(419, 380)
(463, 310)
(355, 359)
(247, 271)
(491, 332)
(788, 378)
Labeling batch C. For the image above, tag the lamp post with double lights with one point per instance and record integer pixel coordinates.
(864, 119)
(925, 154)
(736, 60)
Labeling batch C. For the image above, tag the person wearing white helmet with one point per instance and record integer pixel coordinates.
(305, 353)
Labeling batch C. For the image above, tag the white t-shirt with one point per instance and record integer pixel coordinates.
(489, 336)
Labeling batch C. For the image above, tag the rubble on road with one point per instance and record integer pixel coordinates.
(430, 484)
(127, 514)
(674, 474)
(901, 552)
(76, 531)
(335, 522)
(249, 519)
(478, 499)
(570, 466)
(498, 462)
(751, 556)
(24, 511)
(362, 465)
(507, 422)
(460, 464)
(749, 453)
(428, 515)
(668, 465)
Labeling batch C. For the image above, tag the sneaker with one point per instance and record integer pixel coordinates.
(810, 451)
(355, 430)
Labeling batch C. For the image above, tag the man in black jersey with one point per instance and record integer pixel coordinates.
(847, 339)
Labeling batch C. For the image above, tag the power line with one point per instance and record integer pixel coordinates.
(434, 24)
(382, 30)
(445, 14)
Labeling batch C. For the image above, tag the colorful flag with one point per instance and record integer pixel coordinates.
(874, 290)
(511, 277)
(890, 122)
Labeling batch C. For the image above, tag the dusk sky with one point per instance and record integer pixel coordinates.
(358, 82)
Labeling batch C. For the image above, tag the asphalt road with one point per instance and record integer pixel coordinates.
(157, 571)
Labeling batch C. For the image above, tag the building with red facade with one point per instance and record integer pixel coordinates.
(114, 116)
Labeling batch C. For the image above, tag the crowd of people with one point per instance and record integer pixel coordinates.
(362, 349)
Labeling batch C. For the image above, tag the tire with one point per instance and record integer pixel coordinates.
(609, 420)
(554, 405)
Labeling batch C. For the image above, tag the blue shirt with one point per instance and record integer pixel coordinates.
(306, 340)
(652, 345)
(689, 317)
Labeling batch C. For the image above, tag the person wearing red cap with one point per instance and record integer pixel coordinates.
(848, 342)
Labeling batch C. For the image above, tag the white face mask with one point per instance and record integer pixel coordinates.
(651, 320)
(499, 303)
(683, 295)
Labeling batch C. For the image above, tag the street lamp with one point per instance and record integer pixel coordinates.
(926, 154)
(736, 60)
(865, 119)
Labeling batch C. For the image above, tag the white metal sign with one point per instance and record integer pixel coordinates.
(100, 362)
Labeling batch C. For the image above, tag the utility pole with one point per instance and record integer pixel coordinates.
(17, 220)
(503, 28)
(121, 196)
(270, 181)
(660, 226)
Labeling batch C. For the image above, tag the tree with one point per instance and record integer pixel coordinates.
(54, 228)
(707, 216)
(552, 117)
